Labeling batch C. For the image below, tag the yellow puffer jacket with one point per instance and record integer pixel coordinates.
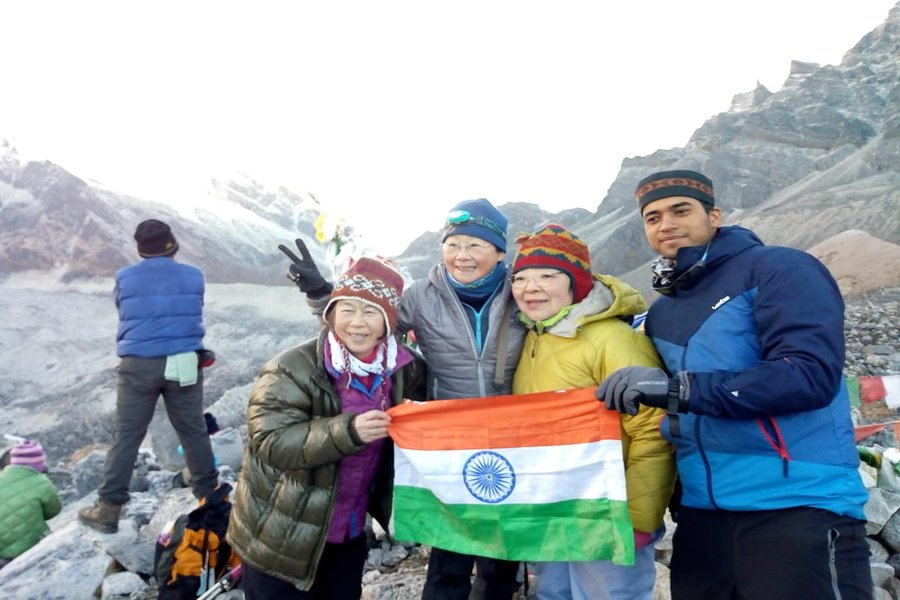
(580, 351)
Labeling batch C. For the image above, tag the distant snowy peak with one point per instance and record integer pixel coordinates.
(50, 220)
(280, 204)
(807, 162)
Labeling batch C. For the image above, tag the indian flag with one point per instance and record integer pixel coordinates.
(536, 477)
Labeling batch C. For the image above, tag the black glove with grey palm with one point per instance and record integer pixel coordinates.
(304, 272)
(625, 389)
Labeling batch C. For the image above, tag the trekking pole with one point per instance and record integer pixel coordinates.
(207, 575)
(227, 582)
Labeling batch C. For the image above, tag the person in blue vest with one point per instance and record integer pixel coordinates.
(752, 338)
(160, 342)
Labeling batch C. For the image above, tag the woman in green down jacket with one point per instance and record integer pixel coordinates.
(27, 499)
(317, 458)
(577, 336)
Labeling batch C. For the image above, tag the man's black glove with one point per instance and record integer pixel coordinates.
(628, 387)
(304, 273)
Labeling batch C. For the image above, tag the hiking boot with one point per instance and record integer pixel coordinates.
(102, 516)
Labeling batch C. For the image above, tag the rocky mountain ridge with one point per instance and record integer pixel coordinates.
(52, 221)
(817, 157)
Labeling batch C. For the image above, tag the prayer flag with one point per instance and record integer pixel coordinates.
(537, 477)
(874, 388)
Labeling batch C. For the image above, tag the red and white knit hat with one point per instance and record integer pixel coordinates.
(29, 454)
(374, 282)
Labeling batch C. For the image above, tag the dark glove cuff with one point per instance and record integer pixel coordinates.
(320, 292)
(354, 435)
(679, 393)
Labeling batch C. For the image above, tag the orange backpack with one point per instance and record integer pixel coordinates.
(192, 554)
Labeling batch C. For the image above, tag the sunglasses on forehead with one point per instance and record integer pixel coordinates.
(461, 217)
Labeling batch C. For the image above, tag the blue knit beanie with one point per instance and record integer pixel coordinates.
(477, 218)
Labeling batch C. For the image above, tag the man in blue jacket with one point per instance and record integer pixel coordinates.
(752, 337)
(160, 334)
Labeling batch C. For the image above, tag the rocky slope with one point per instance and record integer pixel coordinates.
(120, 564)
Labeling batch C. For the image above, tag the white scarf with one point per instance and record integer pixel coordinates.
(342, 360)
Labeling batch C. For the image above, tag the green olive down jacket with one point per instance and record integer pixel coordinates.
(297, 436)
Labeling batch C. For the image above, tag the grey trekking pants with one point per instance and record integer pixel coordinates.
(140, 383)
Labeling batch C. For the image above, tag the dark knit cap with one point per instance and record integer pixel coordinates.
(374, 282)
(477, 218)
(555, 247)
(666, 184)
(154, 238)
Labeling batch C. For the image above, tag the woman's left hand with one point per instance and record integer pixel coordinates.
(372, 425)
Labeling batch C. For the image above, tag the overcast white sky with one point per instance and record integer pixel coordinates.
(391, 112)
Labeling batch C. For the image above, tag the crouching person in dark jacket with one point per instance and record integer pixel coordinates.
(318, 458)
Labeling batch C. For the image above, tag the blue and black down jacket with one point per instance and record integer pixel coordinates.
(761, 330)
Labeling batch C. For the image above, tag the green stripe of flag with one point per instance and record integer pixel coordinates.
(572, 530)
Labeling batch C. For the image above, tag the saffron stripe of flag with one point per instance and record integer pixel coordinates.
(536, 477)
(541, 419)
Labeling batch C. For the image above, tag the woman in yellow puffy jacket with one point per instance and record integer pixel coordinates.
(578, 333)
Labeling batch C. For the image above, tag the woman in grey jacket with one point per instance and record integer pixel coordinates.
(462, 318)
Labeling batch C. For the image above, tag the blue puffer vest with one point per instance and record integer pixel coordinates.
(160, 306)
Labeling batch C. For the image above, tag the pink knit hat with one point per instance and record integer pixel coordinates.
(29, 454)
